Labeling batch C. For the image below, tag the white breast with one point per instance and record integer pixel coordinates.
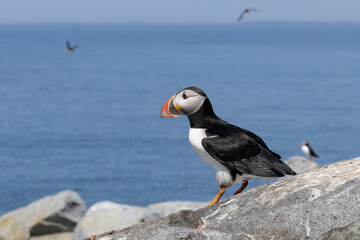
(223, 176)
(305, 150)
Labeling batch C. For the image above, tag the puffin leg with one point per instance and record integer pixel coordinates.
(217, 197)
(243, 186)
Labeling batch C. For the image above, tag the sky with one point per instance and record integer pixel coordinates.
(177, 11)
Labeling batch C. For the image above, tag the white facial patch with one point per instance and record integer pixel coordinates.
(189, 101)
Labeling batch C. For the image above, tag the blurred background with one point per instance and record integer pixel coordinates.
(89, 120)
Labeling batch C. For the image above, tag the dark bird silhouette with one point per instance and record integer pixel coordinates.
(236, 154)
(70, 48)
(246, 11)
(309, 152)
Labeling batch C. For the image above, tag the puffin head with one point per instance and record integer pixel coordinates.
(304, 143)
(185, 102)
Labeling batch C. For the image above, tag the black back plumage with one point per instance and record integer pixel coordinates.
(240, 150)
(312, 152)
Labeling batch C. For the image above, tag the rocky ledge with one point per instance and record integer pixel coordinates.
(322, 203)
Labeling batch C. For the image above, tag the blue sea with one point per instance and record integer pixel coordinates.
(90, 120)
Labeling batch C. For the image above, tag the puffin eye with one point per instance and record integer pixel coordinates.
(184, 96)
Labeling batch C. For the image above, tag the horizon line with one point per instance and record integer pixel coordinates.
(174, 22)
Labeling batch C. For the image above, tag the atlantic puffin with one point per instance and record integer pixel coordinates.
(236, 154)
(309, 152)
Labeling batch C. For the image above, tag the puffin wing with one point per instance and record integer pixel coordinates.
(312, 153)
(68, 44)
(242, 153)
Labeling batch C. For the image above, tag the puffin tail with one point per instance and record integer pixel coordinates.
(289, 171)
(282, 169)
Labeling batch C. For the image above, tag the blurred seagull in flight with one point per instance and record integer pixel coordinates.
(246, 11)
(70, 48)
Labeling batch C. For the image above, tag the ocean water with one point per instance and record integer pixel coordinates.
(90, 121)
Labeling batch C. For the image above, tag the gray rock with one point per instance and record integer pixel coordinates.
(54, 236)
(300, 164)
(12, 229)
(51, 214)
(351, 231)
(184, 221)
(162, 209)
(308, 206)
(107, 216)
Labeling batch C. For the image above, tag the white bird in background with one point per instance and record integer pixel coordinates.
(70, 48)
(246, 11)
(309, 152)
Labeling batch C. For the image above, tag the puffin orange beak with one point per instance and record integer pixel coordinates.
(169, 109)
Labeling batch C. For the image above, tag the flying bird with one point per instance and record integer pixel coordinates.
(309, 152)
(236, 154)
(70, 48)
(246, 11)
